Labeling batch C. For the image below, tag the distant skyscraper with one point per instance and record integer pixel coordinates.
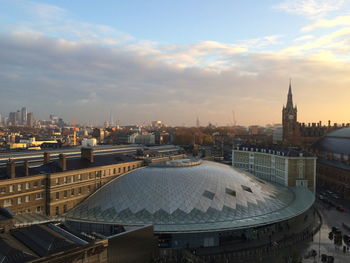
(30, 119)
(24, 116)
(18, 117)
(12, 119)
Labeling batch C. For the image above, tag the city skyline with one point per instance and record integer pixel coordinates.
(201, 60)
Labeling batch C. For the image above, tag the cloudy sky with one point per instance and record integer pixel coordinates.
(176, 60)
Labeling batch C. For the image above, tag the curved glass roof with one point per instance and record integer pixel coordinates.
(336, 142)
(344, 132)
(204, 197)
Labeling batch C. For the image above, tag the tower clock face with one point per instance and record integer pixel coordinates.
(291, 117)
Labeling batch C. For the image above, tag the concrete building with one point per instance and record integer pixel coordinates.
(30, 119)
(24, 116)
(287, 167)
(139, 138)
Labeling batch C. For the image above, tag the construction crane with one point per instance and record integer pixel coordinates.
(234, 122)
(74, 131)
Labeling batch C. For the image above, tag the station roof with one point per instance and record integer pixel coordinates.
(193, 197)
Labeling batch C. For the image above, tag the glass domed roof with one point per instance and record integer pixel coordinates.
(195, 196)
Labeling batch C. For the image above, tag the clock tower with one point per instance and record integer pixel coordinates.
(289, 118)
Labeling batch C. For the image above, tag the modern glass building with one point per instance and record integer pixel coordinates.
(190, 203)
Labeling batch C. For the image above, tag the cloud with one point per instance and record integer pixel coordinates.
(327, 23)
(303, 38)
(54, 63)
(86, 80)
(310, 8)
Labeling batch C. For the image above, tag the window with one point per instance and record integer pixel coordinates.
(57, 181)
(119, 170)
(27, 186)
(19, 200)
(57, 210)
(19, 187)
(246, 188)
(230, 192)
(208, 194)
(65, 179)
(7, 202)
(72, 191)
(43, 182)
(35, 184)
(2, 190)
(114, 170)
(57, 195)
(65, 194)
(64, 208)
(73, 178)
(11, 188)
(27, 198)
(38, 196)
(79, 177)
(79, 190)
(89, 189)
(38, 209)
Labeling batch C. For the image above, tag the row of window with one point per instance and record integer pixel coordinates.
(72, 192)
(95, 174)
(38, 209)
(22, 199)
(20, 187)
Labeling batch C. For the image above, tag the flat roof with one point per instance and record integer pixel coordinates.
(289, 152)
(72, 164)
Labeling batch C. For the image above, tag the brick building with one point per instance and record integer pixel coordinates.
(301, 134)
(333, 164)
(55, 187)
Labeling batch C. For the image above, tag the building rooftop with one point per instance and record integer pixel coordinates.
(29, 243)
(334, 163)
(289, 152)
(336, 142)
(72, 164)
(202, 196)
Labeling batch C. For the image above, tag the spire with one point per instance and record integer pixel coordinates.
(290, 96)
(290, 87)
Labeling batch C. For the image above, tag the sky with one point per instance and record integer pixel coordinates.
(176, 60)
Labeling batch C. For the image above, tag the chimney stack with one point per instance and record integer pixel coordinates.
(46, 157)
(11, 169)
(26, 168)
(62, 162)
(87, 154)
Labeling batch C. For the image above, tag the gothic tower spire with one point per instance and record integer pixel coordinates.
(290, 96)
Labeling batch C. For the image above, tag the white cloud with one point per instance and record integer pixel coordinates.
(327, 23)
(310, 8)
(88, 80)
(303, 38)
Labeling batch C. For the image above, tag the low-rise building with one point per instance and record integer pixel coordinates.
(288, 167)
